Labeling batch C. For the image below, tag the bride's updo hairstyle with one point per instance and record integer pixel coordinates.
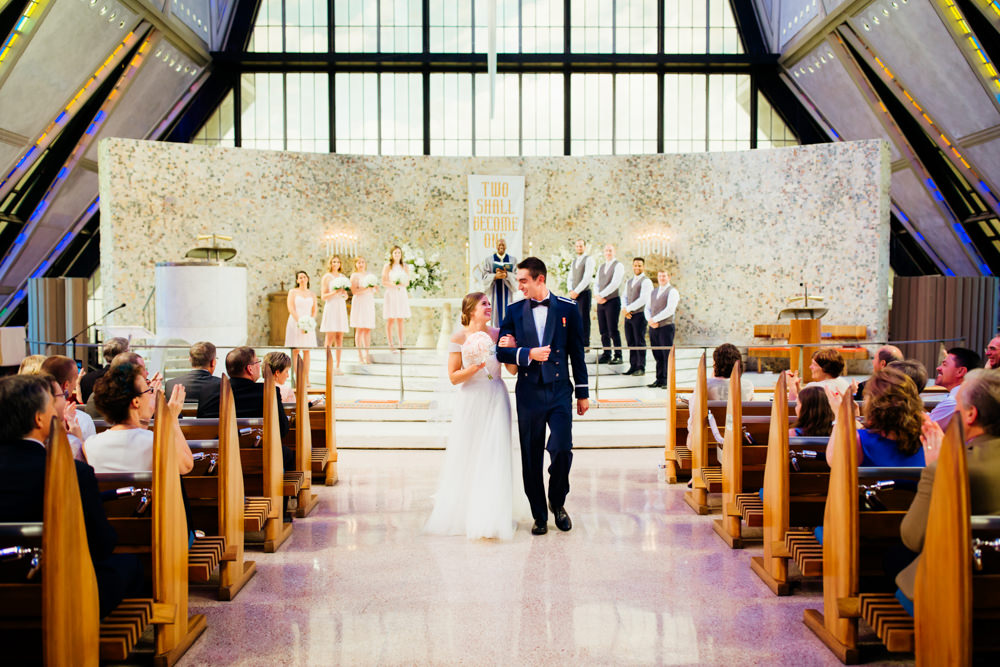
(469, 304)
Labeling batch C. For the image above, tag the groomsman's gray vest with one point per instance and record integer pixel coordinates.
(579, 266)
(658, 303)
(634, 287)
(604, 276)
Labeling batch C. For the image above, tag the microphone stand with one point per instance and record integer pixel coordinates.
(72, 339)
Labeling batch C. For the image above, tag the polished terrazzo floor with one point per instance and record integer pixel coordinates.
(639, 580)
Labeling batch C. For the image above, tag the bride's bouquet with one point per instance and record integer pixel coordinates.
(307, 324)
(369, 281)
(480, 347)
(340, 283)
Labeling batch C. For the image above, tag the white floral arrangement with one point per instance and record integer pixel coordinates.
(559, 268)
(340, 283)
(398, 277)
(426, 273)
(480, 347)
(369, 281)
(307, 324)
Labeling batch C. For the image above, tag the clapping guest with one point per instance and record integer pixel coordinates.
(914, 370)
(79, 425)
(125, 358)
(363, 286)
(826, 366)
(128, 401)
(300, 330)
(883, 357)
(395, 308)
(333, 291)
(814, 416)
(31, 364)
(950, 375)
(111, 349)
(281, 367)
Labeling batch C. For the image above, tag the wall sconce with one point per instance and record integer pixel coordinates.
(654, 243)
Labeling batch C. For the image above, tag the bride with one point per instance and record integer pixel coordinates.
(479, 493)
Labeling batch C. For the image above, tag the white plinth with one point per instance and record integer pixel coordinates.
(201, 301)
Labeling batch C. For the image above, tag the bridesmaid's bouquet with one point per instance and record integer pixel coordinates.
(397, 277)
(480, 347)
(340, 283)
(307, 324)
(369, 281)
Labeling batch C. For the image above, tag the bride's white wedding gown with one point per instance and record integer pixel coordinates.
(480, 493)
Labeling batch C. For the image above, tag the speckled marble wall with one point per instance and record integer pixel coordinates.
(746, 227)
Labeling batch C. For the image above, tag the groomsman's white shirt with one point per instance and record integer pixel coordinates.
(588, 274)
(616, 281)
(645, 289)
(668, 310)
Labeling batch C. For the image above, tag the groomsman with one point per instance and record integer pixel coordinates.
(498, 279)
(609, 306)
(578, 282)
(637, 291)
(660, 315)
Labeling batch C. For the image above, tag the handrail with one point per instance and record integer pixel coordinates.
(149, 323)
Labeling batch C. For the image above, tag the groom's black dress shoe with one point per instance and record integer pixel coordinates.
(562, 519)
(540, 528)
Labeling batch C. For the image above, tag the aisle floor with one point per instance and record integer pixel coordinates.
(639, 580)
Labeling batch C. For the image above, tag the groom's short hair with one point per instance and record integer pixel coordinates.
(534, 266)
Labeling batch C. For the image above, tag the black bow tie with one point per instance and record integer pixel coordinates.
(543, 302)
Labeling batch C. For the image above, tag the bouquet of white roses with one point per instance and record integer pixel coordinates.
(340, 283)
(426, 273)
(369, 281)
(480, 347)
(307, 324)
(398, 277)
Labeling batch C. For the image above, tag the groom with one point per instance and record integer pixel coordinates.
(548, 331)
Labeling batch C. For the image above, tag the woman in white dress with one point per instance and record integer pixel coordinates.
(335, 323)
(396, 308)
(363, 308)
(479, 492)
(301, 303)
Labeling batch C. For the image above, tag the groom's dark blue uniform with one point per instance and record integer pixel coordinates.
(544, 394)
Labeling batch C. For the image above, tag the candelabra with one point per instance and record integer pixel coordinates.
(654, 243)
(341, 243)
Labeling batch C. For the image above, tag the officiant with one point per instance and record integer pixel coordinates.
(498, 279)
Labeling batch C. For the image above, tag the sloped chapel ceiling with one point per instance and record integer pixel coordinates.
(842, 58)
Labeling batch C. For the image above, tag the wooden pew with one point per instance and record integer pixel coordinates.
(956, 605)
(162, 533)
(330, 473)
(54, 614)
(742, 466)
(217, 500)
(705, 478)
(304, 459)
(846, 566)
(672, 449)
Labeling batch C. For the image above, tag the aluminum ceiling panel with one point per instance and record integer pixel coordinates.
(69, 203)
(830, 5)
(793, 16)
(162, 79)
(195, 15)
(833, 92)
(69, 45)
(986, 158)
(927, 218)
(918, 49)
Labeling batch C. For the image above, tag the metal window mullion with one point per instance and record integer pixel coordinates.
(473, 75)
(614, 114)
(237, 109)
(331, 96)
(567, 116)
(754, 112)
(614, 30)
(708, 105)
(331, 46)
(520, 113)
(378, 48)
(660, 91)
(284, 111)
(520, 26)
(284, 48)
(378, 111)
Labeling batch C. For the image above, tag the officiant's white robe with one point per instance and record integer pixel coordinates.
(500, 292)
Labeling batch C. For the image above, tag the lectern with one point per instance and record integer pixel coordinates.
(803, 329)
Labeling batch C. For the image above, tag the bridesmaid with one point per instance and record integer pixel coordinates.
(396, 308)
(301, 303)
(363, 308)
(335, 309)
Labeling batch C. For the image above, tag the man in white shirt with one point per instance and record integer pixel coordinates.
(950, 375)
(660, 316)
(578, 283)
(637, 291)
(609, 306)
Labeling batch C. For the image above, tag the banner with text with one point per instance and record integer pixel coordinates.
(496, 210)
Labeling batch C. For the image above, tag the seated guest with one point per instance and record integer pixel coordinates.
(978, 403)
(892, 415)
(815, 418)
(65, 371)
(724, 359)
(826, 367)
(31, 365)
(28, 405)
(243, 368)
(281, 367)
(112, 348)
(126, 357)
(201, 377)
(128, 402)
(914, 370)
(993, 353)
(885, 356)
(957, 363)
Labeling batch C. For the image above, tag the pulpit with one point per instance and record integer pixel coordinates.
(803, 329)
(202, 300)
